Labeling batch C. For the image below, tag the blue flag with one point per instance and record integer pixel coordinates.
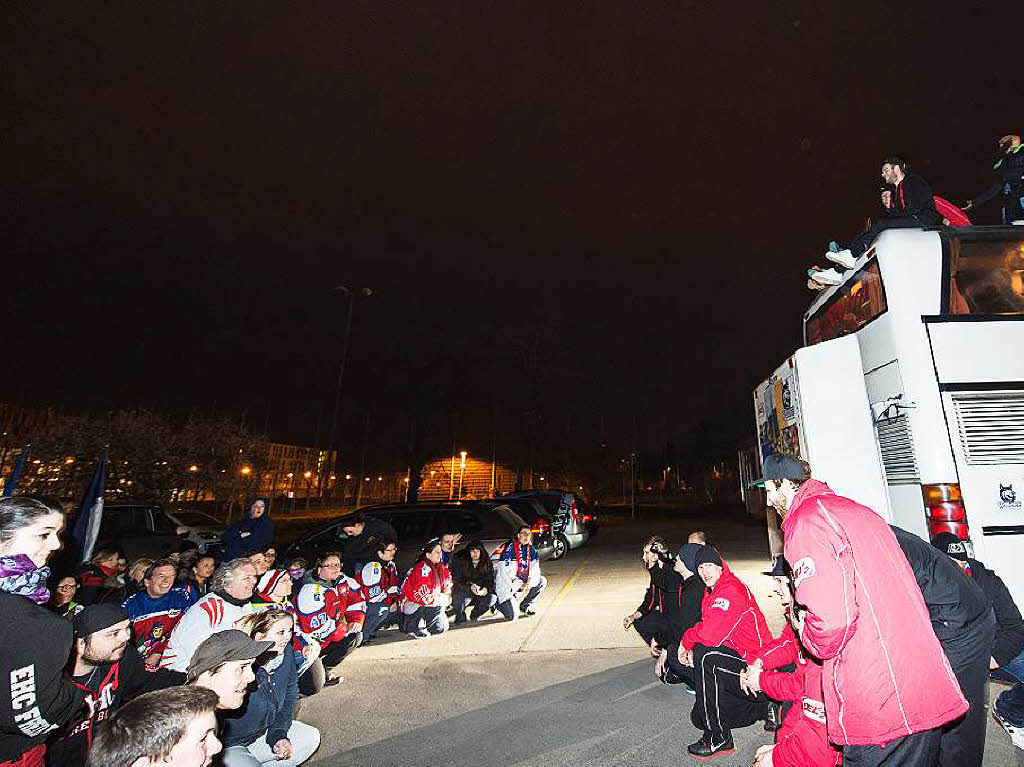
(90, 513)
(12, 481)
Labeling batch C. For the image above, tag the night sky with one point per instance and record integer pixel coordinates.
(623, 197)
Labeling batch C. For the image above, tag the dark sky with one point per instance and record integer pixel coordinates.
(629, 194)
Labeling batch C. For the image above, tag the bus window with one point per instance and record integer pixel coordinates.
(852, 306)
(986, 276)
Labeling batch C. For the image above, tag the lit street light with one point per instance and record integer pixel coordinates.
(462, 472)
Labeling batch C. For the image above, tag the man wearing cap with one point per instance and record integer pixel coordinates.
(965, 626)
(731, 632)
(107, 668)
(888, 686)
(650, 619)
(223, 663)
(1007, 661)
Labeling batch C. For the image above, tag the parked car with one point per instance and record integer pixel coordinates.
(540, 520)
(139, 530)
(203, 530)
(569, 512)
(417, 523)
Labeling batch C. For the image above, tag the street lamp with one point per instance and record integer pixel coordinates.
(341, 370)
(462, 472)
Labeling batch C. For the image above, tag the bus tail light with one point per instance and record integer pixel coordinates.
(944, 507)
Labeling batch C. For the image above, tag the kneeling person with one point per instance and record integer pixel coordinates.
(518, 570)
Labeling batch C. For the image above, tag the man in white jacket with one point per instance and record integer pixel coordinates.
(517, 571)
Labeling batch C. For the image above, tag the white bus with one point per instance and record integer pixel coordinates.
(922, 418)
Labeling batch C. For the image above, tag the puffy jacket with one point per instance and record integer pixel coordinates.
(885, 673)
(268, 710)
(802, 741)
(1009, 625)
(729, 616)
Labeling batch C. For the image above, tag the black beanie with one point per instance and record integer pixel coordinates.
(96, 618)
(707, 554)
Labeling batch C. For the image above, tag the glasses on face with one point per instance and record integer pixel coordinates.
(331, 567)
(66, 588)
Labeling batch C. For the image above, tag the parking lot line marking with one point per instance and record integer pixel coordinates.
(566, 588)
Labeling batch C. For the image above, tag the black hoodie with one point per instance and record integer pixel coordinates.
(36, 696)
(679, 600)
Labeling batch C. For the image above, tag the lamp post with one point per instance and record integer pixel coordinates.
(462, 472)
(341, 377)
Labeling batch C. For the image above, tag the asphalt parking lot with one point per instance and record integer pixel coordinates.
(566, 687)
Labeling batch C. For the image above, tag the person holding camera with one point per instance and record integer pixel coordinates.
(651, 619)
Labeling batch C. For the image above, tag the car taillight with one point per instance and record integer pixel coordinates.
(944, 507)
(540, 527)
(587, 518)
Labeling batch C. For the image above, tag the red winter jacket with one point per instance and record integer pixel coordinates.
(885, 673)
(802, 741)
(729, 616)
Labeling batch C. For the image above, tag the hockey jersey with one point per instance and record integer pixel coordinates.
(518, 567)
(424, 586)
(153, 619)
(329, 612)
(211, 614)
(379, 582)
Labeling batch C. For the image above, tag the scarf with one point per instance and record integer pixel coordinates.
(19, 575)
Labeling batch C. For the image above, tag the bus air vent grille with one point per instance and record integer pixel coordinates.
(897, 451)
(991, 426)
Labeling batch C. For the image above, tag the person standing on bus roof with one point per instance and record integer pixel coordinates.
(1009, 181)
(913, 206)
(888, 686)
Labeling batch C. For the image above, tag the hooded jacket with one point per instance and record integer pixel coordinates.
(912, 198)
(1009, 181)
(35, 696)
(465, 575)
(885, 674)
(269, 709)
(248, 534)
(1009, 625)
(730, 617)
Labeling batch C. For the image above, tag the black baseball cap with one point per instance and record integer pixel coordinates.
(950, 545)
(782, 466)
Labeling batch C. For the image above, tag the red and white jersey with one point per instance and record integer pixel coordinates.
(206, 617)
(424, 585)
(325, 612)
(379, 582)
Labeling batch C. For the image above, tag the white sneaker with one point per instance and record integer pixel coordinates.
(816, 285)
(1016, 733)
(842, 257)
(826, 276)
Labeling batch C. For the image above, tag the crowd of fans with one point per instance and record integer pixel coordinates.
(887, 650)
(174, 660)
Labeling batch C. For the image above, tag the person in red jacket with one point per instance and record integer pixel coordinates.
(802, 741)
(730, 634)
(423, 594)
(888, 686)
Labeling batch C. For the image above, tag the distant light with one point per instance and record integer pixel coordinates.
(406, 480)
(246, 470)
(290, 475)
(69, 459)
(193, 467)
(348, 476)
(332, 476)
(308, 474)
(380, 479)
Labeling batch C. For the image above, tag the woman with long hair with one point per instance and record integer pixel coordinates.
(423, 597)
(265, 732)
(473, 575)
(36, 697)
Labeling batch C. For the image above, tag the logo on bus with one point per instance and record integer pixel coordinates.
(1008, 497)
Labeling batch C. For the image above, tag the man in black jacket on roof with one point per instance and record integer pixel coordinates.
(965, 626)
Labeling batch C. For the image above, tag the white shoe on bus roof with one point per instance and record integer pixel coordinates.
(842, 257)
